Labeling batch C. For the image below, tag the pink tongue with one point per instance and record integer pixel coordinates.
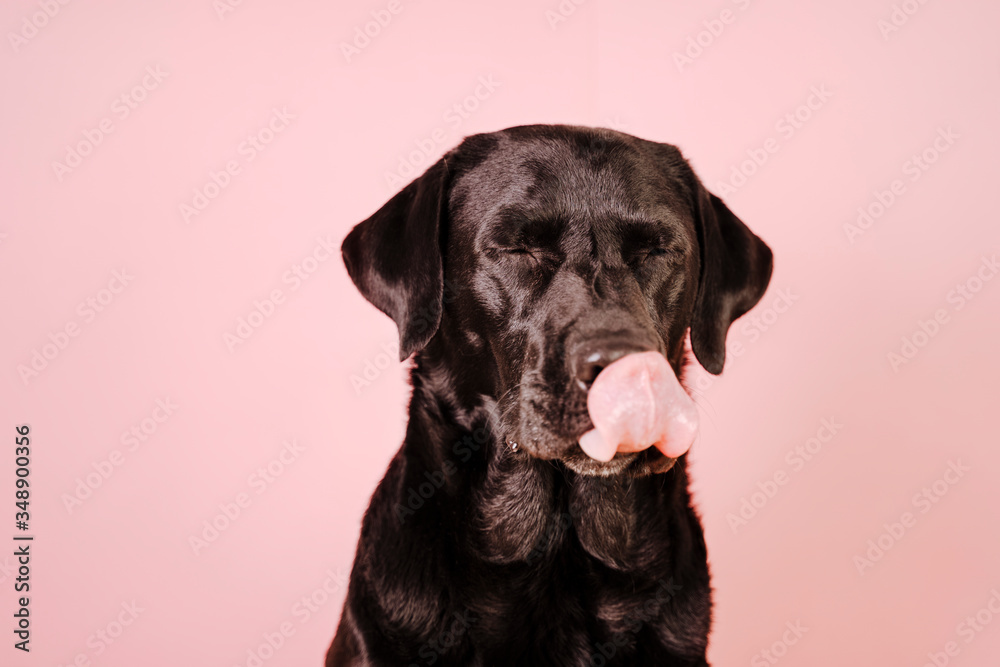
(637, 403)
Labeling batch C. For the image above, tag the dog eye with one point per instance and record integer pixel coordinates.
(651, 253)
(525, 256)
(521, 251)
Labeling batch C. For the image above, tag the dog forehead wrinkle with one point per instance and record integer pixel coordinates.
(583, 194)
(490, 293)
(670, 294)
(542, 176)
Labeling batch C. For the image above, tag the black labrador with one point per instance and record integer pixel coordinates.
(516, 268)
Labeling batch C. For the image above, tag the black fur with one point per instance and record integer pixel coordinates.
(508, 261)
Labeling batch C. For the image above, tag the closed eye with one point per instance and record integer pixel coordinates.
(656, 252)
(537, 256)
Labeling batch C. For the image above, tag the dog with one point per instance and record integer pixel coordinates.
(516, 268)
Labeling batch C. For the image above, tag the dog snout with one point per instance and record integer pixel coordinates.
(594, 355)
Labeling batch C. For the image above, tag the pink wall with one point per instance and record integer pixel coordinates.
(170, 95)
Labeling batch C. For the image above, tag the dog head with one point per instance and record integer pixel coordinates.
(564, 249)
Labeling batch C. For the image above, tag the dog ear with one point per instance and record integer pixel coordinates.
(735, 270)
(394, 258)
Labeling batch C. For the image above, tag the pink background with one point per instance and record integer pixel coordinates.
(820, 354)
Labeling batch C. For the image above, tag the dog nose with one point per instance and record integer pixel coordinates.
(593, 359)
